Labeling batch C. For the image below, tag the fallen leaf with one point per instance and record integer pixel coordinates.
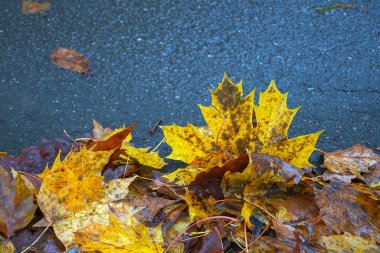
(349, 243)
(30, 7)
(200, 208)
(6, 246)
(77, 180)
(348, 209)
(230, 119)
(124, 233)
(147, 207)
(355, 160)
(16, 203)
(71, 60)
(100, 132)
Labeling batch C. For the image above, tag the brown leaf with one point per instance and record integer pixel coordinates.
(113, 142)
(149, 206)
(70, 59)
(16, 203)
(350, 209)
(30, 7)
(171, 218)
(356, 160)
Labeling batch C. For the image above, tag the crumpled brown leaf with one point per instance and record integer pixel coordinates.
(354, 160)
(346, 208)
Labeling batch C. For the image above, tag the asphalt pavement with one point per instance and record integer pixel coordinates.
(156, 60)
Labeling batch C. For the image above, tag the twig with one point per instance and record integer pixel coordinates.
(196, 223)
(153, 130)
(163, 139)
(39, 237)
(245, 237)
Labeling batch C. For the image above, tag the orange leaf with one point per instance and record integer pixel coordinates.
(70, 59)
(30, 7)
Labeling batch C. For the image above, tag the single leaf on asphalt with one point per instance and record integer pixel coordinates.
(71, 60)
(16, 203)
(30, 7)
(349, 243)
(355, 160)
(123, 234)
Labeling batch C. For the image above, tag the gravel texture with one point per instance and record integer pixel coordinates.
(156, 60)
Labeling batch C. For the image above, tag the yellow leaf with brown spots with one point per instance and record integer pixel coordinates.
(122, 234)
(349, 243)
(187, 142)
(237, 125)
(141, 156)
(201, 208)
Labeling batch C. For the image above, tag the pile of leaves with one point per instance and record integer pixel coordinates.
(247, 187)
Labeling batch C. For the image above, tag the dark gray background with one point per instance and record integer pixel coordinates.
(155, 60)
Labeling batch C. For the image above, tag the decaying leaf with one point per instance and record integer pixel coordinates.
(349, 243)
(100, 132)
(346, 208)
(16, 203)
(237, 125)
(331, 7)
(30, 7)
(71, 60)
(123, 234)
(355, 160)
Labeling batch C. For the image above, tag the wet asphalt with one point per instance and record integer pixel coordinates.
(156, 60)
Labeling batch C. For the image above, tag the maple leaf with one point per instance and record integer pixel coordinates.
(16, 203)
(66, 221)
(77, 179)
(124, 233)
(30, 7)
(71, 60)
(238, 125)
(354, 160)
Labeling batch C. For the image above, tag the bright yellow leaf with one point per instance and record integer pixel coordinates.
(121, 235)
(201, 208)
(77, 179)
(142, 156)
(187, 142)
(237, 125)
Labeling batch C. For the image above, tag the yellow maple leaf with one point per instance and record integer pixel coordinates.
(77, 179)
(201, 208)
(123, 234)
(237, 125)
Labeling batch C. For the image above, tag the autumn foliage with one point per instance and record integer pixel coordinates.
(247, 187)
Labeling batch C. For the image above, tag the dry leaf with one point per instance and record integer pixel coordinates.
(70, 59)
(356, 160)
(16, 203)
(123, 234)
(349, 243)
(350, 209)
(30, 7)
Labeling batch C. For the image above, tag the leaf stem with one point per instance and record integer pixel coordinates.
(196, 223)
